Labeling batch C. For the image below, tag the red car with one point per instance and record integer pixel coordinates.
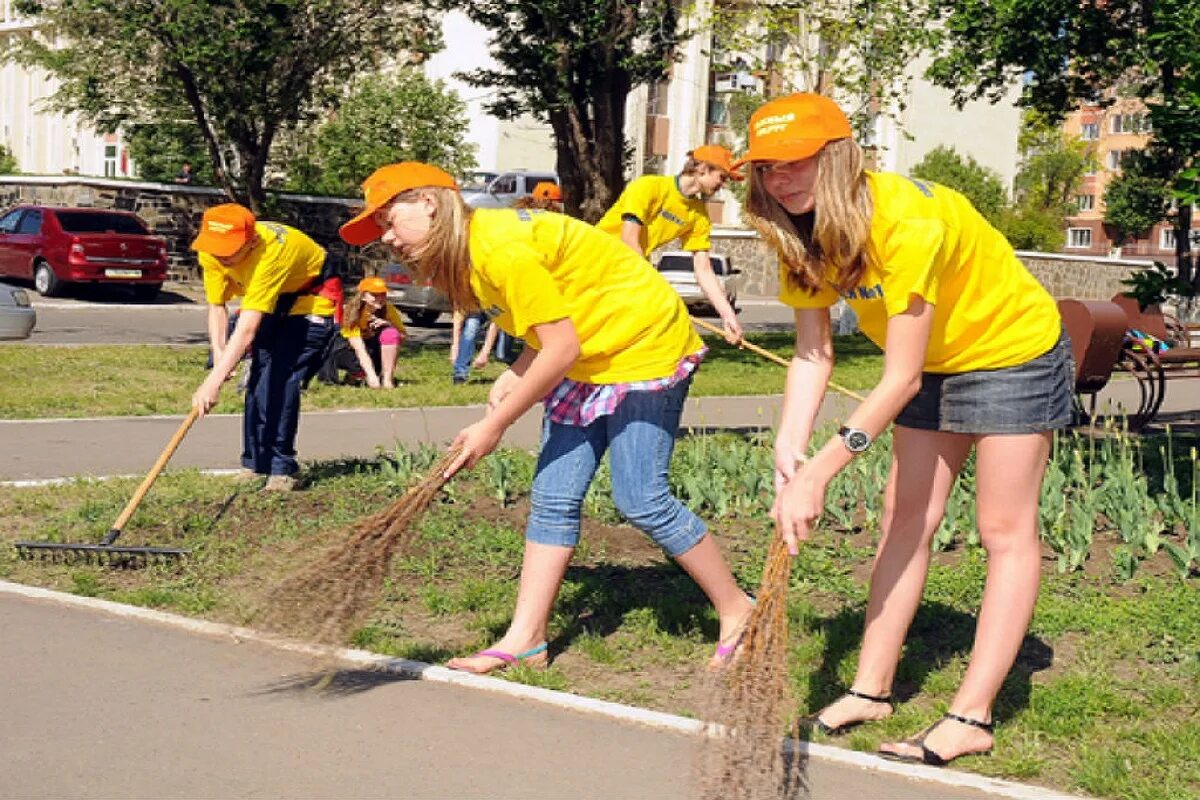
(55, 247)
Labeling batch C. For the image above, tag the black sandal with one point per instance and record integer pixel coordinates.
(930, 757)
(846, 727)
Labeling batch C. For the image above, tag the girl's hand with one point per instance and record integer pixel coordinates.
(501, 388)
(476, 441)
(373, 381)
(798, 507)
(733, 328)
(787, 461)
(207, 395)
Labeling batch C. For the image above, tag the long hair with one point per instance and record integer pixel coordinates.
(352, 312)
(444, 258)
(837, 248)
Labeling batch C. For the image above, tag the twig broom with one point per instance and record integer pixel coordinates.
(750, 703)
(326, 600)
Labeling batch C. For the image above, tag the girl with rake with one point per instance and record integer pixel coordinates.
(974, 356)
(611, 350)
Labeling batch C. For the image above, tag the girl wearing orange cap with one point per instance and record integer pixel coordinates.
(375, 331)
(613, 375)
(656, 209)
(974, 357)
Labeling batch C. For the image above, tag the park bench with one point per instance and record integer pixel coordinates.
(1098, 334)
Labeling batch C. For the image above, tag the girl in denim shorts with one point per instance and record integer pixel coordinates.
(974, 357)
(611, 351)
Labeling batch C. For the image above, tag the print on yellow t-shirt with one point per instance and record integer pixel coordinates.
(283, 261)
(663, 210)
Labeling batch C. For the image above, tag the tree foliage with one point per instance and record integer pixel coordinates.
(572, 63)
(1134, 202)
(979, 184)
(1070, 53)
(243, 70)
(404, 117)
(857, 50)
(160, 148)
(8, 161)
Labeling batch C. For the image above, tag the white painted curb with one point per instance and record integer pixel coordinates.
(572, 702)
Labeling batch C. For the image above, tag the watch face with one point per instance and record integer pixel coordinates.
(857, 441)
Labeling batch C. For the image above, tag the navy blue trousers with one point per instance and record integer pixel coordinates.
(285, 350)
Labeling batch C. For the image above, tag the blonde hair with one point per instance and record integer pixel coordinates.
(539, 203)
(837, 249)
(444, 258)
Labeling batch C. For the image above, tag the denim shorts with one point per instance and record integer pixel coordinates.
(1027, 398)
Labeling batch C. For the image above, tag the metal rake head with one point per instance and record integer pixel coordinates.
(118, 557)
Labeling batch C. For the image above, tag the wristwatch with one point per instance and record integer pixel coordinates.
(855, 439)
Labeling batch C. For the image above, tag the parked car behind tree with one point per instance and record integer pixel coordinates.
(677, 267)
(57, 247)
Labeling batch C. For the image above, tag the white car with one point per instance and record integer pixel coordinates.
(17, 316)
(677, 267)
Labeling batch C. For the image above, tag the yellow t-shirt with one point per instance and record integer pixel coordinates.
(663, 210)
(353, 329)
(532, 267)
(929, 241)
(283, 261)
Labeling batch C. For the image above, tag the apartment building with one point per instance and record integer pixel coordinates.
(1113, 132)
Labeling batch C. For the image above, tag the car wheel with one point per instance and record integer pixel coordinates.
(424, 318)
(146, 291)
(45, 281)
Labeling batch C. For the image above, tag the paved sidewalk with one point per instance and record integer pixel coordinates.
(103, 706)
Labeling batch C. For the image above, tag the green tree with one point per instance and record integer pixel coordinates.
(244, 70)
(979, 184)
(1069, 52)
(572, 63)
(1134, 202)
(860, 49)
(404, 117)
(160, 148)
(8, 162)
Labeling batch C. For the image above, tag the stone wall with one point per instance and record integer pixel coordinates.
(173, 212)
(1080, 277)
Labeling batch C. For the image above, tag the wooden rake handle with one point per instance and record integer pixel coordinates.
(136, 500)
(767, 354)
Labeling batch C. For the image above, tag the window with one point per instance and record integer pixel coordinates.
(99, 222)
(1166, 238)
(1130, 123)
(1085, 202)
(505, 184)
(110, 160)
(1079, 237)
(1089, 130)
(656, 98)
(8, 223)
(1114, 159)
(30, 223)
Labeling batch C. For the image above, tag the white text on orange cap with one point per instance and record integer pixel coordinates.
(219, 227)
(773, 123)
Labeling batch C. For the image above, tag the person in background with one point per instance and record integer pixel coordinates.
(290, 295)
(464, 331)
(185, 175)
(613, 375)
(975, 358)
(375, 331)
(656, 209)
(546, 195)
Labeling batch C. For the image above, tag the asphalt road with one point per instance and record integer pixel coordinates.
(177, 317)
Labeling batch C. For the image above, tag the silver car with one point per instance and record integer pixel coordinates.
(422, 303)
(504, 189)
(677, 267)
(17, 316)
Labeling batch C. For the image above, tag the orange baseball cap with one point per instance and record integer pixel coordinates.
(372, 283)
(384, 184)
(224, 229)
(795, 127)
(719, 157)
(548, 190)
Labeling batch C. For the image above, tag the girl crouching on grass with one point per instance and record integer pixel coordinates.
(610, 349)
(975, 357)
(375, 331)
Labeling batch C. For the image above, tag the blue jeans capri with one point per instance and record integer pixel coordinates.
(639, 437)
(1027, 398)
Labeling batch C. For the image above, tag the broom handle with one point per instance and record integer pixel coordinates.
(136, 500)
(767, 354)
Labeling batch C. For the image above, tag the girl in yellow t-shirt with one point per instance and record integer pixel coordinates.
(613, 372)
(375, 331)
(974, 357)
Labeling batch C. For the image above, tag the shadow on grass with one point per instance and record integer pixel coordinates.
(939, 635)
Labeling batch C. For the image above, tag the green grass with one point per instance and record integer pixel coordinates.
(136, 380)
(1102, 699)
